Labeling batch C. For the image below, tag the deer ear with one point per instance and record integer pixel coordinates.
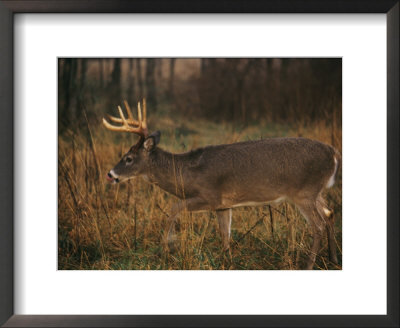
(151, 141)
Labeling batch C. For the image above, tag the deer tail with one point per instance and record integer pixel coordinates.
(338, 160)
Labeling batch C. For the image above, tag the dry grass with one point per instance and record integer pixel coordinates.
(102, 226)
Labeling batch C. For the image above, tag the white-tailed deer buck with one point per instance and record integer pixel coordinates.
(250, 173)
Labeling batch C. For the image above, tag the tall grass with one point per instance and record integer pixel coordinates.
(102, 226)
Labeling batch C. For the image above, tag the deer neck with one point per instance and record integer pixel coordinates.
(165, 170)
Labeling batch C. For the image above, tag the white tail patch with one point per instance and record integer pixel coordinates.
(327, 212)
(331, 180)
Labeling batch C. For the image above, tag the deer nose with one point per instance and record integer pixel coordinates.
(109, 177)
(112, 177)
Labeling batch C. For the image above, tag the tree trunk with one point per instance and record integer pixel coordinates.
(159, 69)
(171, 77)
(114, 87)
(150, 84)
(203, 65)
(82, 87)
(101, 72)
(69, 86)
(139, 78)
(131, 82)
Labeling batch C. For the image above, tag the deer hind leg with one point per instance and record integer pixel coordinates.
(310, 211)
(224, 222)
(328, 216)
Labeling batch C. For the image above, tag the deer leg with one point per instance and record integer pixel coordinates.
(191, 204)
(170, 231)
(317, 236)
(317, 223)
(224, 222)
(331, 242)
(330, 227)
(327, 215)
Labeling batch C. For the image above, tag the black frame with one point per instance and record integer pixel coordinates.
(8, 8)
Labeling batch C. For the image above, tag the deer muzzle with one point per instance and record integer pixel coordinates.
(112, 177)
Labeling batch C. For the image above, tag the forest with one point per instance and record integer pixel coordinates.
(235, 90)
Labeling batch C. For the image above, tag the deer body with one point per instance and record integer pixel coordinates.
(244, 173)
(249, 173)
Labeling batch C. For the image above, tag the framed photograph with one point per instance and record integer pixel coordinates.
(218, 164)
(232, 167)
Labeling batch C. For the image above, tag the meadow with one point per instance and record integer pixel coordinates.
(106, 227)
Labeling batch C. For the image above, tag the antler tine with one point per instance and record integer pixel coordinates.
(112, 127)
(128, 110)
(130, 120)
(122, 116)
(127, 124)
(124, 128)
(144, 122)
(114, 119)
(118, 120)
(142, 119)
(139, 113)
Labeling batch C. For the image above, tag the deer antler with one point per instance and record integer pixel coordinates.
(129, 124)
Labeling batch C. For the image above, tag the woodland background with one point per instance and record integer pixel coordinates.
(235, 90)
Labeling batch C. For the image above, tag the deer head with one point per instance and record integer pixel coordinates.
(134, 162)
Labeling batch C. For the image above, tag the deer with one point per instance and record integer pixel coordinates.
(222, 177)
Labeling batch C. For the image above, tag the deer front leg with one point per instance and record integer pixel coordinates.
(224, 222)
(191, 204)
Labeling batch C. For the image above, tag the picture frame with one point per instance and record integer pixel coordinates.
(7, 11)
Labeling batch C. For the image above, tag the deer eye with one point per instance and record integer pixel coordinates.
(128, 159)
